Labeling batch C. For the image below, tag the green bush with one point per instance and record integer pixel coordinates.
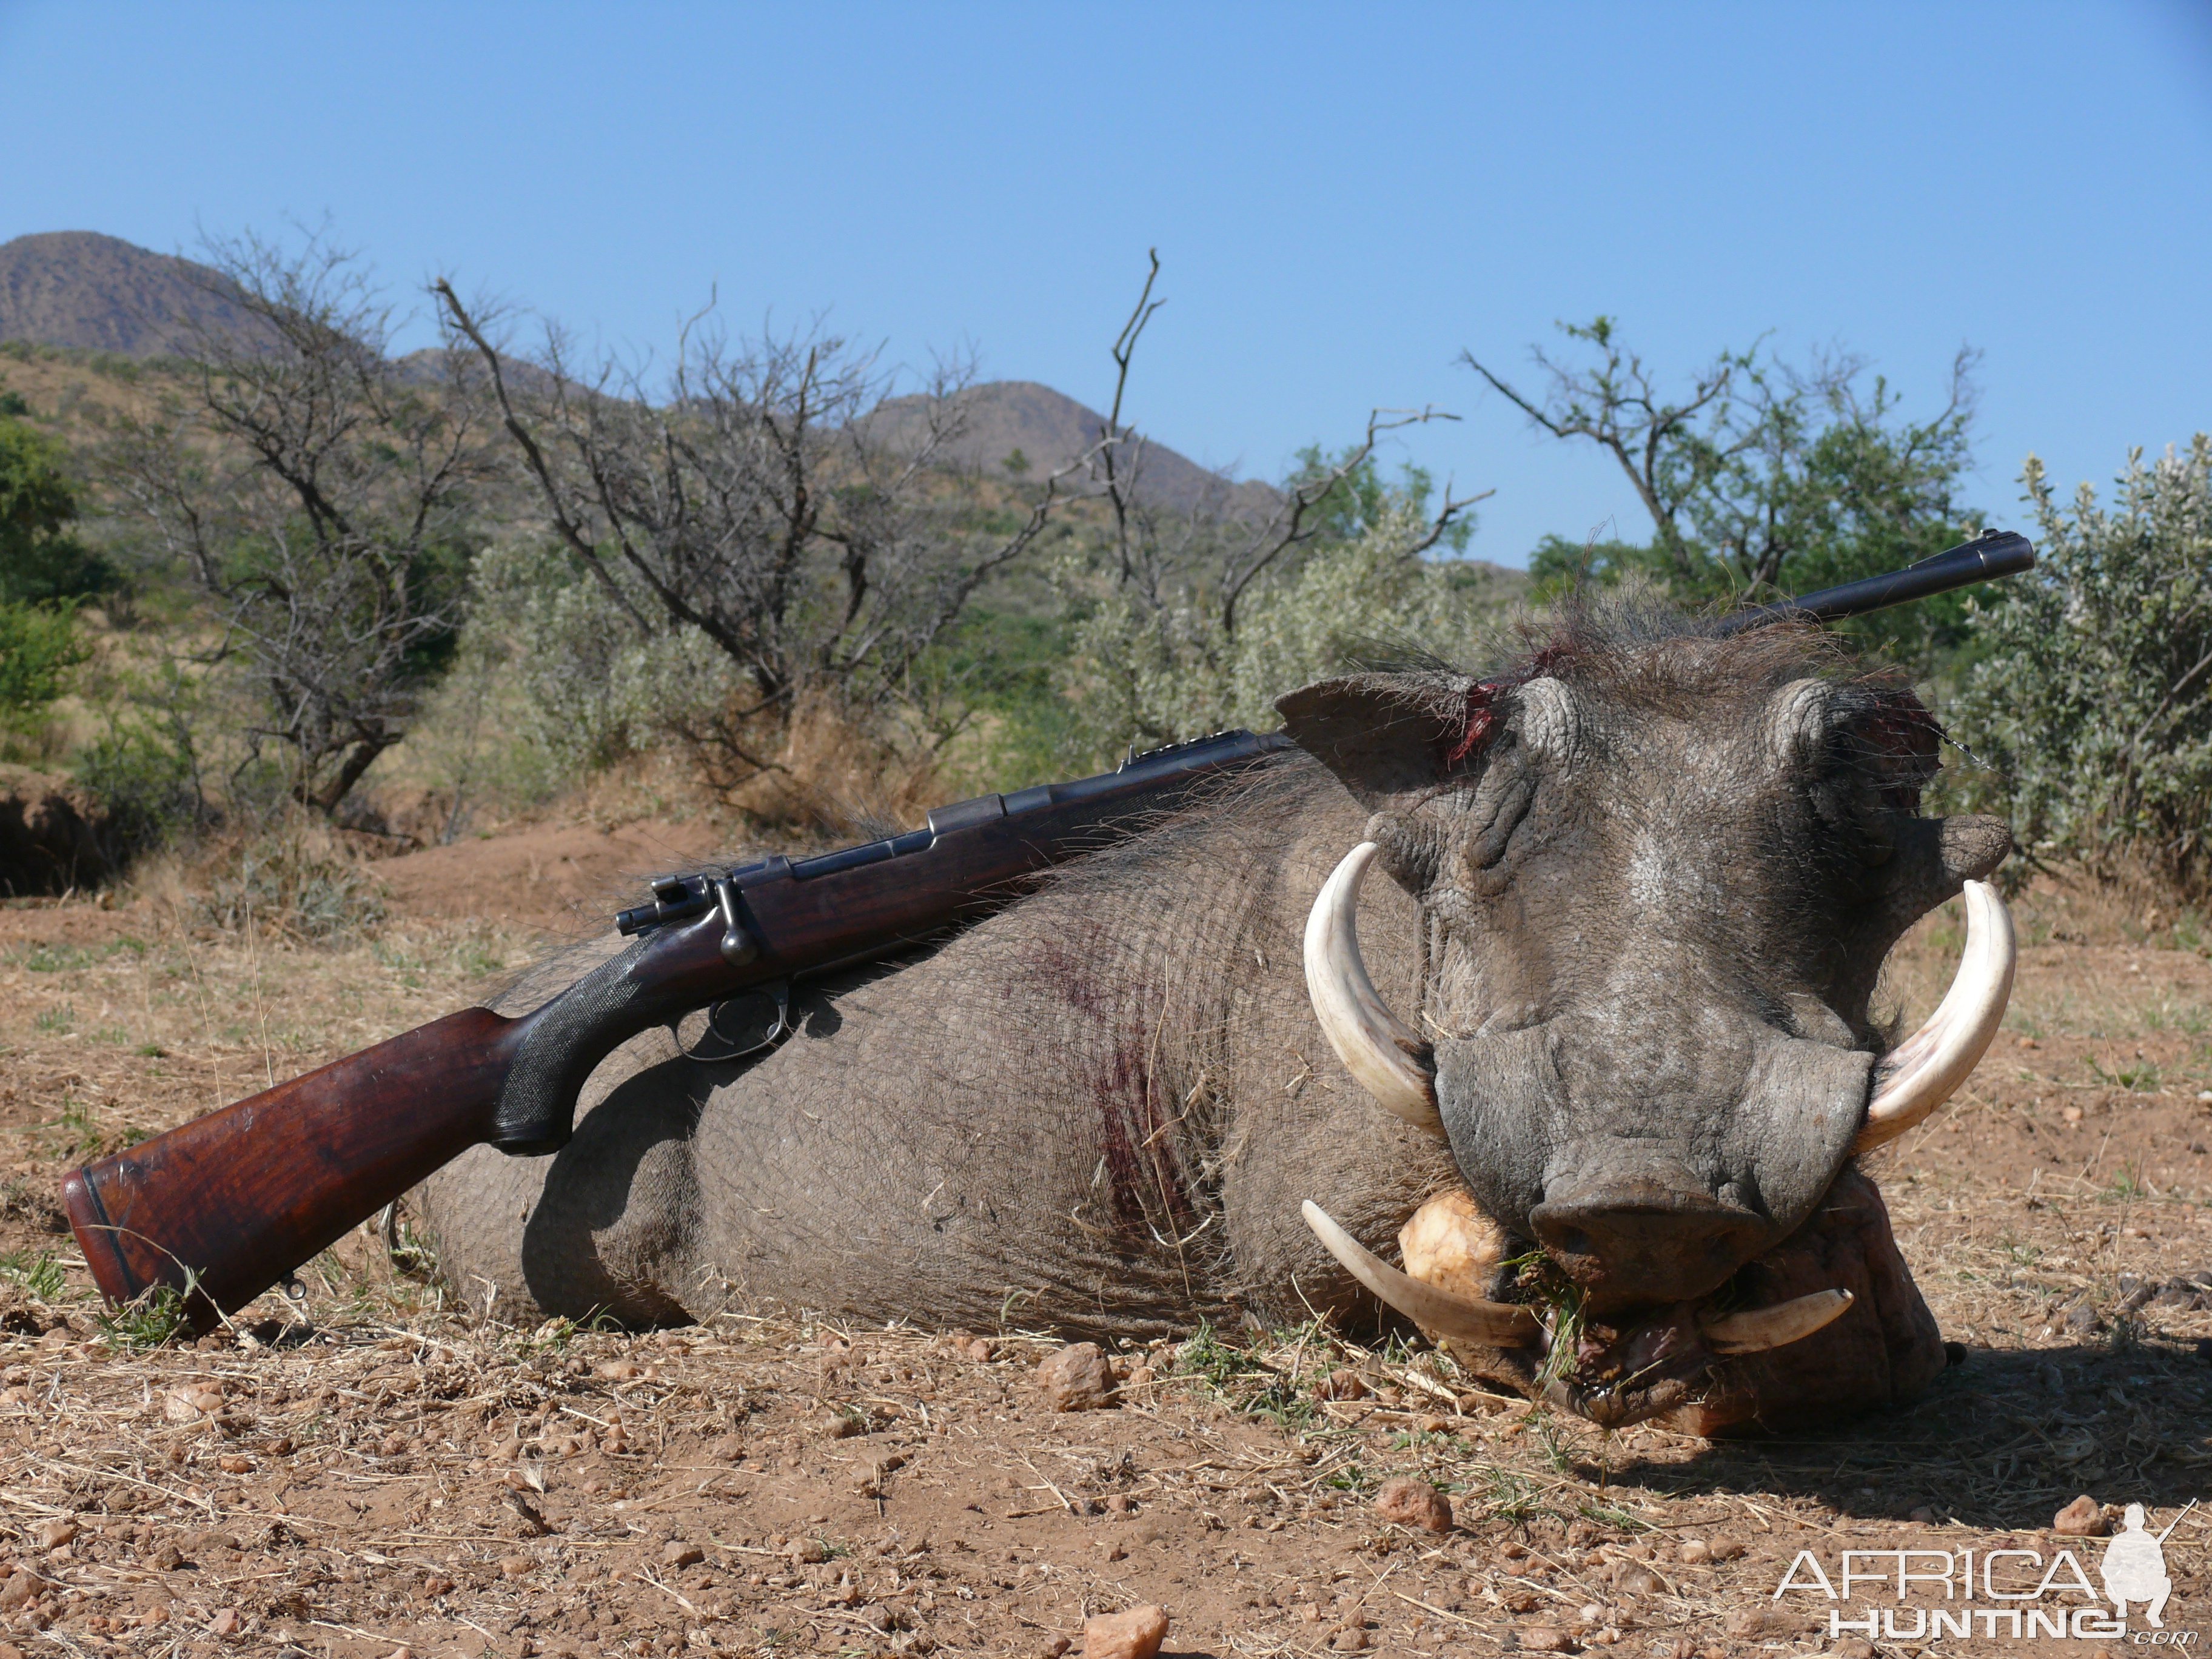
(2092, 702)
(39, 645)
(1145, 678)
(38, 558)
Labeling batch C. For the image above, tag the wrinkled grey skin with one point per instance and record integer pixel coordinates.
(1645, 919)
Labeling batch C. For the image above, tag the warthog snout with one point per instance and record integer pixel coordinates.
(1644, 1238)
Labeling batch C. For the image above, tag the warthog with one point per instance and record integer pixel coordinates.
(1641, 888)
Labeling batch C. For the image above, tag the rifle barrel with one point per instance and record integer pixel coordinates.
(1995, 553)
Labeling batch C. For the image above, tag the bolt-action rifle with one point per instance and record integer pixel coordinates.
(225, 1206)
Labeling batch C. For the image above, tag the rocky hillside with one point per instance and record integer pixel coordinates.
(78, 289)
(1018, 429)
(82, 291)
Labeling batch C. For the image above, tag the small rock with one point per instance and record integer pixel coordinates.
(676, 1554)
(729, 1449)
(53, 1534)
(1725, 1549)
(980, 1349)
(619, 1370)
(1140, 1375)
(1077, 1379)
(15, 1592)
(225, 1623)
(232, 1463)
(1349, 1639)
(435, 1586)
(1120, 1503)
(806, 1551)
(1852, 1647)
(516, 1566)
(1135, 1634)
(1593, 1613)
(1758, 1621)
(1342, 1383)
(1054, 1648)
(1631, 1578)
(2081, 1519)
(1693, 1552)
(1407, 1502)
(1547, 1638)
(841, 1426)
(168, 1557)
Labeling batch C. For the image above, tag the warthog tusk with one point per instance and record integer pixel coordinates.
(1757, 1330)
(1922, 1071)
(1456, 1318)
(1386, 1059)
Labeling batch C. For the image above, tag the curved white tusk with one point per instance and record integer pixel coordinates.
(1757, 1330)
(1456, 1318)
(1922, 1071)
(1387, 1060)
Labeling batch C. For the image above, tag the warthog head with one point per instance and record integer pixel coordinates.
(1657, 879)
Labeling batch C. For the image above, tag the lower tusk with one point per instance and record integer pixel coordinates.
(1386, 1059)
(1440, 1313)
(1926, 1069)
(1757, 1330)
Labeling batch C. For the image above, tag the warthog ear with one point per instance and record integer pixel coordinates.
(1389, 736)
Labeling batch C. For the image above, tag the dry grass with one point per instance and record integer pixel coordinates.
(373, 1468)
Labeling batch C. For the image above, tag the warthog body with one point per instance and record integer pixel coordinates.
(1643, 887)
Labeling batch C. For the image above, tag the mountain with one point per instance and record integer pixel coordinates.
(77, 288)
(1039, 431)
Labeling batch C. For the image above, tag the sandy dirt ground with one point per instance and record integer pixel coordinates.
(370, 1468)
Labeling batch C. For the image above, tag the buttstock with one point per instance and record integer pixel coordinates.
(229, 1204)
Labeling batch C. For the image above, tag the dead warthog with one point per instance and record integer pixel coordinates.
(1640, 888)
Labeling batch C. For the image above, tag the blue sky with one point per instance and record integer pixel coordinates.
(1344, 197)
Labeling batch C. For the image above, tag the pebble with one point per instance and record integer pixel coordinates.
(1693, 1552)
(225, 1623)
(1135, 1634)
(676, 1554)
(53, 1534)
(1077, 1378)
(1547, 1638)
(839, 1426)
(1407, 1502)
(516, 1566)
(2079, 1519)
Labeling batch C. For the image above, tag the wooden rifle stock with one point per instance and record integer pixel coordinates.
(225, 1206)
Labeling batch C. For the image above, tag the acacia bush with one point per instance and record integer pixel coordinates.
(2091, 703)
(1147, 674)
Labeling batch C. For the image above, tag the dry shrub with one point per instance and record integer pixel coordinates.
(834, 777)
(298, 878)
